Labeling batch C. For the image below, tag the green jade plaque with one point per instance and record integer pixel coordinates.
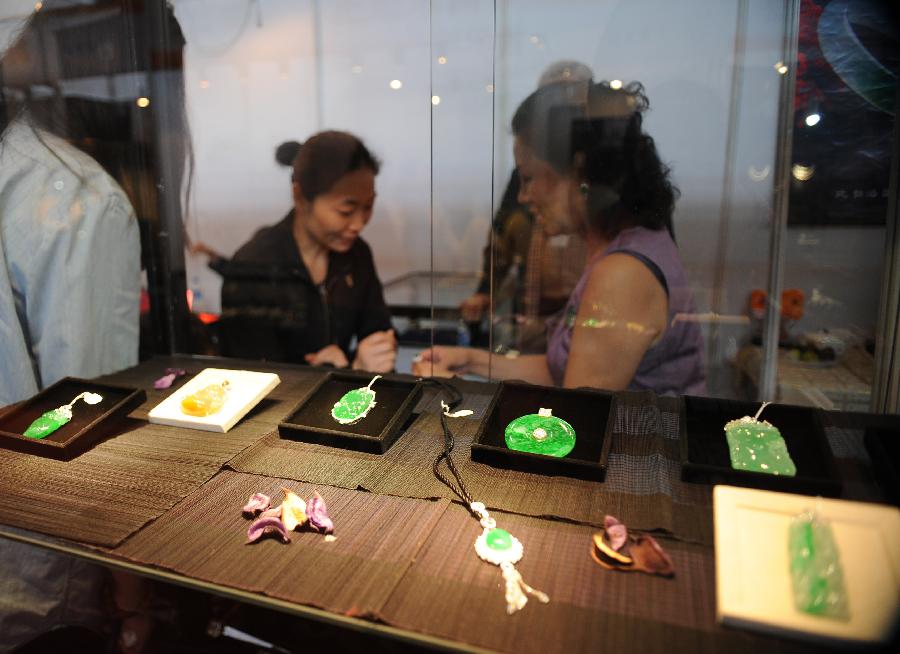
(756, 445)
(52, 420)
(540, 433)
(817, 578)
(355, 405)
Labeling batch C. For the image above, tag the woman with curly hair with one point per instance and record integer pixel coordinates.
(587, 167)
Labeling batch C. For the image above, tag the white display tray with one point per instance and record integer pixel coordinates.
(245, 390)
(753, 581)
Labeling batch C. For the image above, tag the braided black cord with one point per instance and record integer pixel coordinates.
(454, 398)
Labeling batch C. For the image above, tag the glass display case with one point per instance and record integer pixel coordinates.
(774, 131)
(674, 212)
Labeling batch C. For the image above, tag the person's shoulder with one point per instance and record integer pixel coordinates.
(623, 274)
(30, 153)
(264, 242)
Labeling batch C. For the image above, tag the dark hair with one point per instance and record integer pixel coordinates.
(328, 156)
(596, 129)
(287, 152)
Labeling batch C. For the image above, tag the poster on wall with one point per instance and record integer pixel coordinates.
(844, 112)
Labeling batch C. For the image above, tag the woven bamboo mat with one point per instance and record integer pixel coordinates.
(410, 563)
(643, 484)
(377, 539)
(112, 490)
(450, 593)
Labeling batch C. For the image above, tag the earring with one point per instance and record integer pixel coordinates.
(584, 188)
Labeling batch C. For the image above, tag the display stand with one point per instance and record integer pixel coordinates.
(591, 413)
(311, 420)
(704, 447)
(245, 389)
(89, 424)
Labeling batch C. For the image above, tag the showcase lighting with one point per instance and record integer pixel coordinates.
(813, 119)
(615, 84)
(442, 60)
(435, 100)
(204, 84)
(802, 173)
(396, 84)
(781, 68)
(489, 88)
(38, 6)
(143, 102)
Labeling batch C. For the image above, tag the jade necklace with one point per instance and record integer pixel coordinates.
(494, 545)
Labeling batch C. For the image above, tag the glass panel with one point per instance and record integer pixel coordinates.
(189, 115)
(262, 74)
(713, 116)
(88, 146)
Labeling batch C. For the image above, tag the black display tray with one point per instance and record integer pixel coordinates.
(89, 424)
(704, 448)
(883, 445)
(591, 413)
(311, 421)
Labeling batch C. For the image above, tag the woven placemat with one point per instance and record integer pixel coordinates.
(376, 540)
(643, 483)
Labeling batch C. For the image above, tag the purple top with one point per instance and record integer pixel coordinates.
(674, 365)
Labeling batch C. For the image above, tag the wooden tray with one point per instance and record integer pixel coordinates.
(704, 447)
(311, 421)
(591, 413)
(89, 424)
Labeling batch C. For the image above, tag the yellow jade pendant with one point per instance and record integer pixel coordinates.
(206, 401)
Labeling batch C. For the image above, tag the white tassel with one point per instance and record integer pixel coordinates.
(516, 599)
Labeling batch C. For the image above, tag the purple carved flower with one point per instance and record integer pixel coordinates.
(166, 380)
(257, 503)
(264, 526)
(318, 515)
(616, 532)
(650, 557)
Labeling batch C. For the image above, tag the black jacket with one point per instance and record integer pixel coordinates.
(271, 309)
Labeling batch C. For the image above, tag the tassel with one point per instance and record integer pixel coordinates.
(516, 599)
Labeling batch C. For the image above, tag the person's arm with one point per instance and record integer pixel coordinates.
(444, 361)
(377, 348)
(623, 311)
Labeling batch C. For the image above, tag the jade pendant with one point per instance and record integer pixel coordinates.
(355, 405)
(540, 433)
(52, 420)
(817, 578)
(498, 546)
(206, 401)
(757, 445)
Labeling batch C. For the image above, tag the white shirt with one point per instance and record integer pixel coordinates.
(69, 266)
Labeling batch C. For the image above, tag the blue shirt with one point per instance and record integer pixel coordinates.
(69, 266)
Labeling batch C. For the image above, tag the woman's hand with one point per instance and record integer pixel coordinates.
(377, 352)
(442, 361)
(330, 354)
(473, 307)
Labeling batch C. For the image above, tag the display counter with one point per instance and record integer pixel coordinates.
(165, 502)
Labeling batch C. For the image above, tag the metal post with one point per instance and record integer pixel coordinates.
(768, 386)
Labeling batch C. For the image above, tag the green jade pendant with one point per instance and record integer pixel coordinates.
(498, 546)
(756, 445)
(52, 420)
(817, 578)
(355, 405)
(540, 433)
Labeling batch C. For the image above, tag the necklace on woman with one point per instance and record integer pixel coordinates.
(494, 545)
